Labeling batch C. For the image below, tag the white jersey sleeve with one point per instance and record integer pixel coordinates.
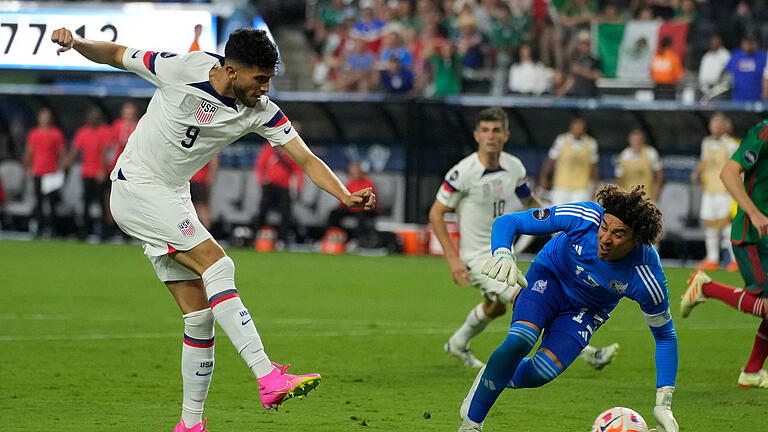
(593, 154)
(557, 146)
(518, 169)
(451, 191)
(159, 68)
(277, 130)
(654, 159)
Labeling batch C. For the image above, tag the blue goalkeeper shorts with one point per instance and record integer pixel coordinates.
(568, 326)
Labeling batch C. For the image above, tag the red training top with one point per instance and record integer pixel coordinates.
(200, 176)
(274, 166)
(121, 130)
(46, 144)
(93, 142)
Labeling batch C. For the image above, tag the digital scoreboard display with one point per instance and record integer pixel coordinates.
(25, 35)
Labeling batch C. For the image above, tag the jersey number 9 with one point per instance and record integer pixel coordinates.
(192, 133)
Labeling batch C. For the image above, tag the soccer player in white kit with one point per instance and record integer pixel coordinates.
(203, 103)
(481, 187)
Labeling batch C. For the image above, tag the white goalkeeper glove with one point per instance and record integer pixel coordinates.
(503, 268)
(665, 421)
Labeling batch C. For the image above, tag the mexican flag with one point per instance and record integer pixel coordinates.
(626, 49)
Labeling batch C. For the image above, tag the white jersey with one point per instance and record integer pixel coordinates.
(187, 122)
(479, 196)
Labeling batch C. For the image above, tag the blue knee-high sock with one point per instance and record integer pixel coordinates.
(535, 372)
(500, 368)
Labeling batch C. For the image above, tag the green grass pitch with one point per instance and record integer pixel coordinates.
(91, 341)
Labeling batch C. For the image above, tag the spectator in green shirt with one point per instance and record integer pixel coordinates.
(446, 70)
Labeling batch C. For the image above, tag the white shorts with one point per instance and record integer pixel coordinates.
(715, 206)
(565, 196)
(490, 288)
(162, 219)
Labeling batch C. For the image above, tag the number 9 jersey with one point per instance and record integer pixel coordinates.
(188, 122)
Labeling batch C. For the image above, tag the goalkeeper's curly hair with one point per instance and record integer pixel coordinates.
(635, 209)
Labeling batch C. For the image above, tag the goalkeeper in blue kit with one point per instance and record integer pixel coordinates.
(603, 252)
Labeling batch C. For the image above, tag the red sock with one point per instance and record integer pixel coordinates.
(735, 297)
(759, 350)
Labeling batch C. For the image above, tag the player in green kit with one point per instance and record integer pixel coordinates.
(750, 247)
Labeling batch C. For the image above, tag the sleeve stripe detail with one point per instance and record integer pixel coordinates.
(763, 135)
(149, 61)
(277, 120)
(650, 282)
(582, 210)
(448, 187)
(568, 212)
(523, 191)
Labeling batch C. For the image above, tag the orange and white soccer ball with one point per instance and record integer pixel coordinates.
(619, 419)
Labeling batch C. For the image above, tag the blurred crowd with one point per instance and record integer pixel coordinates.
(58, 167)
(448, 47)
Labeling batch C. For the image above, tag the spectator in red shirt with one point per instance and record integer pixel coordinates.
(365, 227)
(275, 171)
(43, 156)
(92, 142)
(122, 128)
(200, 190)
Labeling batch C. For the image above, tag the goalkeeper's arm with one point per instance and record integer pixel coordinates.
(666, 372)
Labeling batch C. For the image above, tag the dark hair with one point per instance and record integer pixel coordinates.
(251, 48)
(666, 42)
(492, 114)
(635, 209)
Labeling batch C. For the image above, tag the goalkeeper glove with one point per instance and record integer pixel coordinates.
(665, 421)
(503, 268)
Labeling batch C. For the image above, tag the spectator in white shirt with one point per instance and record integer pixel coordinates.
(713, 63)
(527, 76)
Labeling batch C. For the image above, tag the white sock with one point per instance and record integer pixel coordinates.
(726, 242)
(475, 323)
(233, 317)
(712, 244)
(196, 364)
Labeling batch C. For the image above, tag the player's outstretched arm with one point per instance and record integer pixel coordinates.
(95, 51)
(325, 179)
(458, 268)
(666, 355)
(731, 177)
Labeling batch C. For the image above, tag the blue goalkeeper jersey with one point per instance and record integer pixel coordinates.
(572, 254)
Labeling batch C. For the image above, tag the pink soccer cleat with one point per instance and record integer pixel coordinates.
(181, 427)
(278, 386)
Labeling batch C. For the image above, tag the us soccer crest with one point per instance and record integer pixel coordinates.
(205, 112)
(186, 227)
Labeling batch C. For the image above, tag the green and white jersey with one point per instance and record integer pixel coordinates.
(187, 122)
(752, 155)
